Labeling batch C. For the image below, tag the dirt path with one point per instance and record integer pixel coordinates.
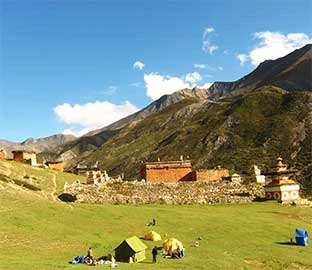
(54, 188)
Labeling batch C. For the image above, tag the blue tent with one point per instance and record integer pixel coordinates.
(301, 237)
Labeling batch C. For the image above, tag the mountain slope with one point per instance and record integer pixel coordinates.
(292, 72)
(235, 133)
(94, 139)
(37, 145)
(156, 106)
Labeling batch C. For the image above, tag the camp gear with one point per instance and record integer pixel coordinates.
(301, 237)
(131, 247)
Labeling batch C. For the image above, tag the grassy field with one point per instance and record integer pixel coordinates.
(37, 232)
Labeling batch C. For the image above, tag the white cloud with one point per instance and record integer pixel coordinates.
(220, 68)
(192, 77)
(111, 90)
(91, 116)
(158, 85)
(273, 45)
(201, 66)
(207, 46)
(207, 31)
(138, 65)
(242, 58)
(80, 132)
(136, 84)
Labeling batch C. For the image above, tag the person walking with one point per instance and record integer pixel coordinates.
(154, 253)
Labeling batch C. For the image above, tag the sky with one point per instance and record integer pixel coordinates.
(71, 66)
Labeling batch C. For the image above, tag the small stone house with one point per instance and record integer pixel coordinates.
(81, 170)
(25, 156)
(216, 174)
(56, 165)
(236, 178)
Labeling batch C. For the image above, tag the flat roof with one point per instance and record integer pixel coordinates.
(23, 151)
(168, 164)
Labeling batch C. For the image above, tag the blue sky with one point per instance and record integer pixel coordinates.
(73, 66)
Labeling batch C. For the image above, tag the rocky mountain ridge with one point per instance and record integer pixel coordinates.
(37, 145)
(292, 72)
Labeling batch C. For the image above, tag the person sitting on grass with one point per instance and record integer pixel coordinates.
(89, 259)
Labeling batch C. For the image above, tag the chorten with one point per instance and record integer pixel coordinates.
(281, 187)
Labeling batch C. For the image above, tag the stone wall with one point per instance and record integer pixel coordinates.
(165, 193)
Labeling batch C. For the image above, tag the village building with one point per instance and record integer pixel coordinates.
(96, 177)
(81, 170)
(167, 171)
(176, 171)
(216, 174)
(25, 156)
(3, 154)
(56, 165)
(236, 178)
(281, 188)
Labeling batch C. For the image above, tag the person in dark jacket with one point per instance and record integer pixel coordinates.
(154, 253)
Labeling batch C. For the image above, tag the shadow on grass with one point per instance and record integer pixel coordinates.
(287, 243)
(143, 262)
(66, 197)
(259, 199)
(18, 182)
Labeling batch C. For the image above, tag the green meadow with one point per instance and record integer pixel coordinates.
(39, 232)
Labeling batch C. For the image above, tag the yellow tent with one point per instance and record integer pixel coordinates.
(151, 235)
(173, 244)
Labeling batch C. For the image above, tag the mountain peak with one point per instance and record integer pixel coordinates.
(30, 140)
(291, 72)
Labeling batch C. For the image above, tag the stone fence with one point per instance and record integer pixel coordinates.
(123, 192)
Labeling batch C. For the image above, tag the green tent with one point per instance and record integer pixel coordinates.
(131, 247)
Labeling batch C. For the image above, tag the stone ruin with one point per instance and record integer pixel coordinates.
(96, 177)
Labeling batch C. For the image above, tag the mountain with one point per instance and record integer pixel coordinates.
(292, 72)
(37, 145)
(94, 139)
(156, 106)
(254, 122)
(237, 124)
(235, 133)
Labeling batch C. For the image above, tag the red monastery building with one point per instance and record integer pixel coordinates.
(167, 171)
(176, 171)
